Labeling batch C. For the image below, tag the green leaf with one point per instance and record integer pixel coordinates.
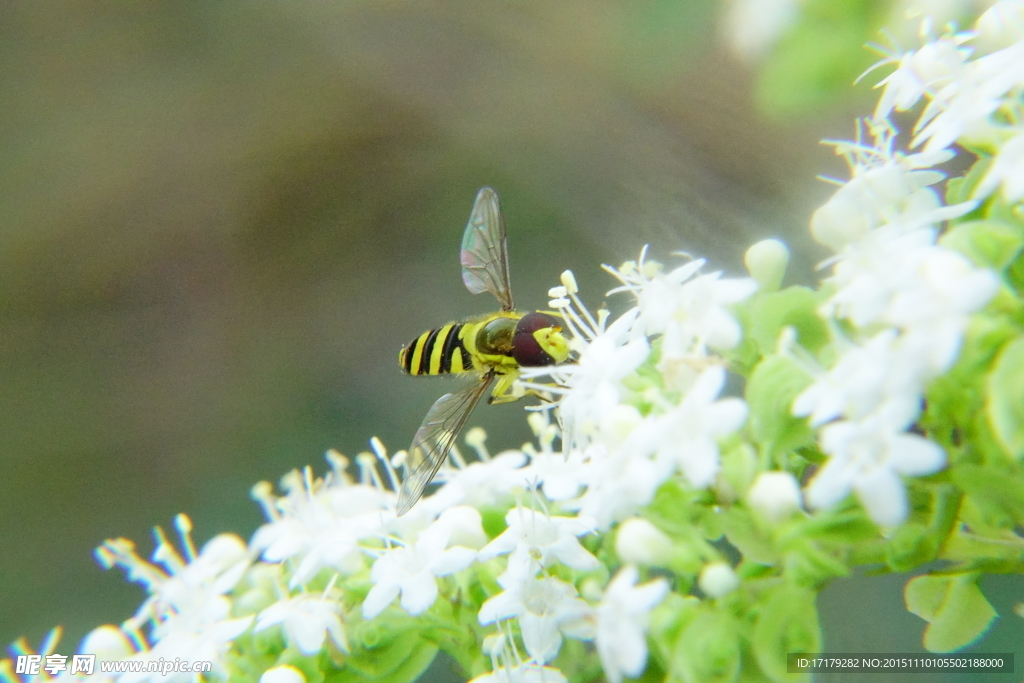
(493, 521)
(990, 244)
(911, 546)
(775, 382)
(837, 526)
(708, 650)
(739, 469)
(411, 667)
(960, 189)
(954, 607)
(386, 655)
(787, 622)
(993, 486)
(671, 510)
(956, 400)
(668, 620)
(809, 565)
(815, 63)
(747, 536)
(1004, 403)
(1015, 274)
(795, 307)
(924, 595)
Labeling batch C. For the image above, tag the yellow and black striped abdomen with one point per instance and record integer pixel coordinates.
(437, 352)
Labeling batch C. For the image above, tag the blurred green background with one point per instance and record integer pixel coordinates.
(221, 221)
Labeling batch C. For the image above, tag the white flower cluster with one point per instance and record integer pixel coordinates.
(901, 303)
(188, 613)
(620, 454)
(973, 83)
(616, 456)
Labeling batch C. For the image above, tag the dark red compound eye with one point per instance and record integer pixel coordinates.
(525, 348)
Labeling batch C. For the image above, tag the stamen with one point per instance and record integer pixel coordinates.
(553, 388)
(400, 461)
(165, 553)
(291, 482)
(184, 526)
(586, 313)
(368, 474)
(382, 456)
(339, 466)
(568, 280)
(476, 438)
(537, 423)
(308, 481)
(263, 494)
(455, 457)
(50, 642)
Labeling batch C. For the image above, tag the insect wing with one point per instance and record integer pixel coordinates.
(484, 252)
(435, 437)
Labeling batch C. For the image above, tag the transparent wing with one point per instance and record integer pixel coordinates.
(484, 253)
(436, 436)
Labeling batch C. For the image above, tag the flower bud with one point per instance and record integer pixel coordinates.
(590, 590)
(640, 542)
(776, 495)
(107, 642)
(767, 261)
(718, 579)
(283, 674)
(840, 221)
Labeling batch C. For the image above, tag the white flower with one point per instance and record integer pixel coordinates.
(622, 482)
(920, 72)
(559, 475)
(688, 434)
(546, 608)
(934, 306)
(874, 376)
(194, 637)
(776, 495)
(594, 383)
(187, 611)
(689, 309)
(465, 525)
(307, 621)
(868, 456)
(535, 539)
(963, 106)
(622, 621)
(412, 571)
(319, 523)
(908, 282)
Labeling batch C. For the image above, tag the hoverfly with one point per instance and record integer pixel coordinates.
(492, 347)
